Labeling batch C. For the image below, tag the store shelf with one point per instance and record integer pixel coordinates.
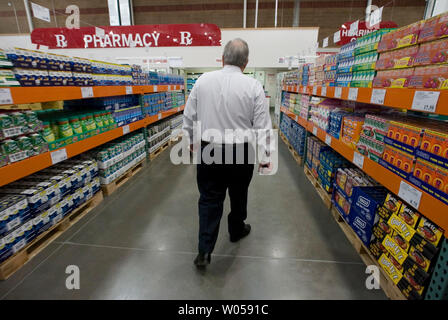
(20, 169)
(401, 98)
(429, 206)
(23, 95)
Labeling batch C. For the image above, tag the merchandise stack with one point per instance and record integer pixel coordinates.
(330, 68)
(291, 78)
(319, 73)
(21, 136)
(158, 135)
(153, 103)
(414, 56)
(176, 125)
(291, 101)
(174, 99)
(119, 156)
(33, 204)
(7, 78)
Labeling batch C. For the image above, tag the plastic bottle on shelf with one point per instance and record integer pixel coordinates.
(47, 133)
(75, 124)
(98, 119)
(65, 130)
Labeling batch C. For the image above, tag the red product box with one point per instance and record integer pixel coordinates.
(434, 28)
(397, 59)
(432, 53)
(403, 37)
(393, 78)
(431, 77)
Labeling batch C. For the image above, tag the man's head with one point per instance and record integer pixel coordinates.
(236, 53)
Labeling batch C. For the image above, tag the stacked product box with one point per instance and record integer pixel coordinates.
(176, 125)
(291, 101)
(32, 205)
(174, 100)
(296, 137)
(117, 157)
(7, 78)
(285, 124)
(357, 198)
(63, 127)
(320, 111)
(406, 245)
(330, 162)
(20, 136)
(291, 78)
(303, 74)
(314, 149)
(351, 130)
(153, 103)
(371, 140)
(158, 135)
(319, 72)
(304, 106)
(330, 69)
(420, 51)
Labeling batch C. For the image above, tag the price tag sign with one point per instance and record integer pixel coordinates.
(353, 28)
(358, 159)
(323, 91)
(169, 88)
(159, 116)
(303, 89)
(87, 92)
(375, 17)
(182, 87)
(5, 96)
(337, 37)
(178, 109)
(155, 88)
(126, 129)
(129, 90)
(378, 96)
(315, 131)
(353, 94)
(58, 155)
(325, 42)
(314, 90)
(297, 118)
(425, 101)
(338, 92)
(328, 139)
(409, 194)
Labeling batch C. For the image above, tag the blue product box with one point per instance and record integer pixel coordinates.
(362, 228)
(438, 160)
(36, 197)
(6, 245)
(367, 200)
(399, 145)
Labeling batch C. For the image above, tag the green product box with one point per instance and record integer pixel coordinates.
(364, 66)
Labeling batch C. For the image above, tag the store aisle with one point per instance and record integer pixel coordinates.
(140, 244)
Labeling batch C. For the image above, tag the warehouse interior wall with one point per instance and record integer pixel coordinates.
(329, 15)
(266, 47)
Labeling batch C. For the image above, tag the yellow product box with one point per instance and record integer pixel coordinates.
(409, 215)
(390, 268)
(430, 231)
(396, 251)
(401, 227)
(53, 105)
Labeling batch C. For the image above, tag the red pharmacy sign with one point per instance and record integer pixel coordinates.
(362, 30)
(157, 35)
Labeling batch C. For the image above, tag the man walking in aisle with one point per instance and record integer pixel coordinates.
(228, 106)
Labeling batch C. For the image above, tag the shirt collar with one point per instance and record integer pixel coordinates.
(231, 68)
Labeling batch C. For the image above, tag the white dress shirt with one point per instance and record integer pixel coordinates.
(228, 99)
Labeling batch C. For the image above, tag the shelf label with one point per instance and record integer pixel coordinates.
(155, 88)
(325, 43)
(409, 194)
(315, 131)
(323, 91)
(314, 90)
(378, 96)
(338, 92)
(159, 116)
(358, 159)
(303, 89)
(353, 94)
(182, 87)
(328, 139)
(169, 88)
(5, 96)
(58, 155)
(425, 101)
(87, 92)
(178, 109)
(375, 17)
(129, 90)
(126, 129)
(336, 37)
(297, 119)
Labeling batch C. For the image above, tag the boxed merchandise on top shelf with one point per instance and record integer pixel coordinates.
(291, 78)
(32, 205)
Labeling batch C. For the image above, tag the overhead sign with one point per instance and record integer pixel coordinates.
(158, 35)
(362, 30)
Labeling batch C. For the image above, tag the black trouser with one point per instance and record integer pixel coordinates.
(213, 182)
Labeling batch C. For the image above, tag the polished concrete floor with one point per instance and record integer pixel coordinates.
(140, 244)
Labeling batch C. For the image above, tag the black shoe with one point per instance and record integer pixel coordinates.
(202, 260)
(246, 231)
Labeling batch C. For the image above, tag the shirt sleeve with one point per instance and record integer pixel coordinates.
(190, 113)
(262, 123)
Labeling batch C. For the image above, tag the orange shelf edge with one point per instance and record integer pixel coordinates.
(20, 169)
(400, 98)
(24, 95)
(431, 207)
